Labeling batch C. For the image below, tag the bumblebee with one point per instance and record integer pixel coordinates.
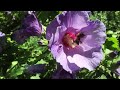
(68, 41)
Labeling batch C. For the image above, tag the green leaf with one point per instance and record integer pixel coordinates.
(115, 42)
(19, 71)
(35, 77)
(42, 62)
(12, 66)
(16, 71)
(109, 32)
(1, 77)
(116, 59)
(107, 51)
(103, 77)
(14, 63)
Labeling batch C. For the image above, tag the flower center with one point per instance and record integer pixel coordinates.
(71, 40)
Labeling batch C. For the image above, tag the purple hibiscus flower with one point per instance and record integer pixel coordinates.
(38, 68)
(60, 73)
(117, 71)
(2, 41)
(30, 27)
(2, 34)
(75, 40)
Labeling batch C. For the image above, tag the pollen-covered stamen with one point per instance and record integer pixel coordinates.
(68, 40)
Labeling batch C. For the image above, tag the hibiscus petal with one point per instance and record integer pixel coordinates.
(30, 20)
(117, 71)
(31, 25)
(57, 36)
(60, 56)
(51, 29)
(73, 67)
(95, 34)
(38, 68)
(33, 31)
(75, 19)
(60, 73)
(2, 34)
(89, 59)
(2, 39)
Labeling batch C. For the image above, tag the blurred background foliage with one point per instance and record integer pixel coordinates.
(15, 58)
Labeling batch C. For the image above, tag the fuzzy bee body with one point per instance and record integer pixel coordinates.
(69, 41)
(79, 36)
